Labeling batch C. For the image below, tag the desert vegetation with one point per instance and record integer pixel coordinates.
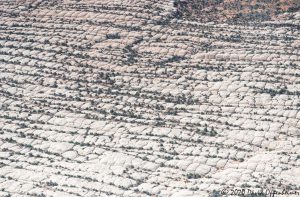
(235, 11)
(134, 98)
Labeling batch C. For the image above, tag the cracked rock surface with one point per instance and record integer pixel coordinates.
(121, 98)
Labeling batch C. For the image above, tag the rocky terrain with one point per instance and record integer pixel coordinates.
(126, 98)
(234, 11)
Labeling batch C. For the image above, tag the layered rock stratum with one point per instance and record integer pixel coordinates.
(126, 98)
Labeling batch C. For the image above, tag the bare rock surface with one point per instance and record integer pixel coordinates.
(122, 98)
